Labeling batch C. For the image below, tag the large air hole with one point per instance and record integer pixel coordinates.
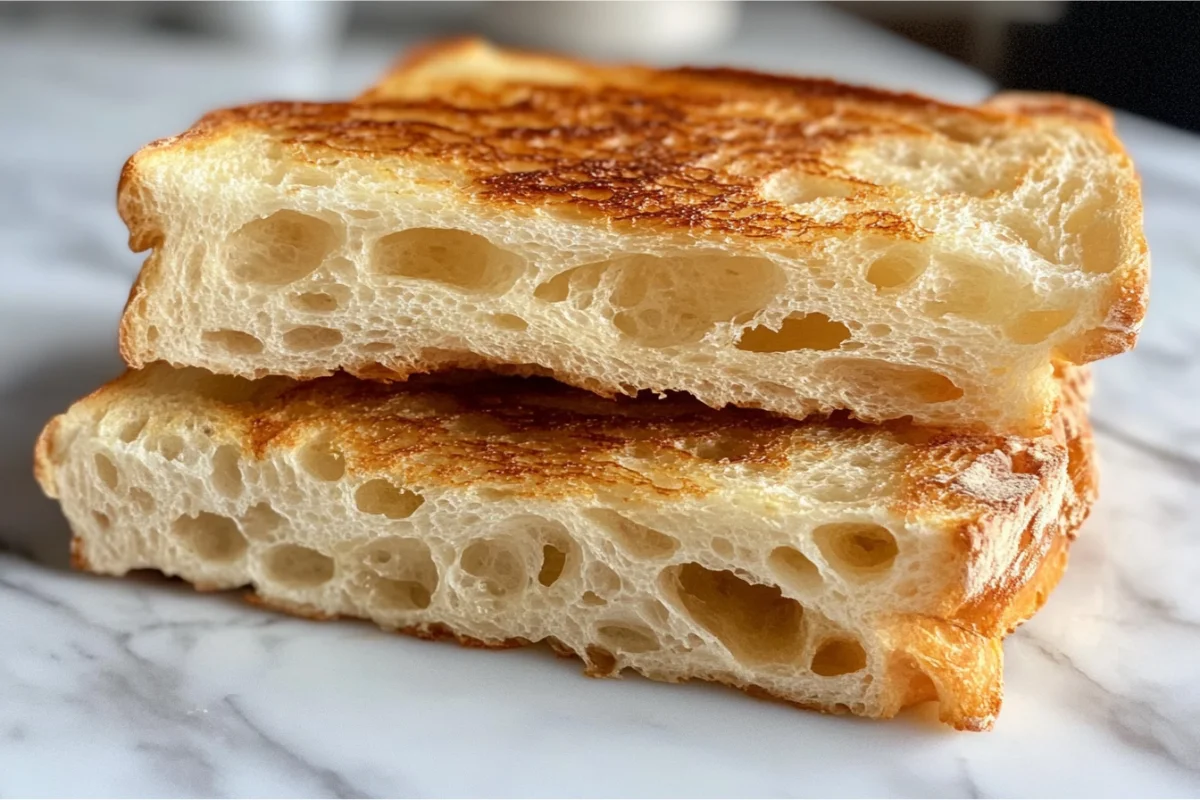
(976, 292)
(398, 573)
(1033, 327)
(894, 270)
(279, 249)
(227, 471)
(926, 165)
(756, 623)
(600, 661)
(554, 559)
(637, 540)
(297, 567)
(798, 332)
(310, 338)
(793, 187)
(211, 536)
(839, 657)
(235, 343)
(397, 595)
(261, 522)
(529, 535)
(107, 470)
(142, 499)
(722, 547)
(170, 446)
(508, 322)
(322, 460)
(857, 549)
(1098, 234)
(1031, 233)
(381, 496)
(624, 637)
(605, 583)
(663, 302)
(314, 302)
(874, 378)
(578, 284)
(795, 570)
(456, 258)
(655, 612)
(499, 566)
(310, 176)
(132, 429)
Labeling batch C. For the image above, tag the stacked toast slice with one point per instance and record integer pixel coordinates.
(898, 293)
(786, 244)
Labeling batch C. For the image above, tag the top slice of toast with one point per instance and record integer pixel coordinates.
(792, 244)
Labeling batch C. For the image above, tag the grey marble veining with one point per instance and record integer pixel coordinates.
(142, 687)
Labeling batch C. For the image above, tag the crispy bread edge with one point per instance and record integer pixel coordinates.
(969, 687)
(409, 66)
(1129, 296)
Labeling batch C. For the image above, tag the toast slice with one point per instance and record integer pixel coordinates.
(789, 244)
(838, 566)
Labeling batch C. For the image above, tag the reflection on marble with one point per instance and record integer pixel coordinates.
(142, 687)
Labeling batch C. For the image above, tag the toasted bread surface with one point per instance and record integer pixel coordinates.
(790, 244)
(831, 564)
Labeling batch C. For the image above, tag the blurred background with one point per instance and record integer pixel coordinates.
(1138, 56)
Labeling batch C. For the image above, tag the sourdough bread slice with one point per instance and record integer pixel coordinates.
(837, 566)
(789, 244)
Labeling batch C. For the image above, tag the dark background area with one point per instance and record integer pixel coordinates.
(1143, 57)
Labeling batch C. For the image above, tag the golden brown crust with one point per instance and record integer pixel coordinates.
(78, 559)
(629, 156)
(1050, 104)
(537, 438)
(1127, 303)
(934, 656)
(44, 457)
(418, 56)
(683, 150)
(431, 68)
(1066, 488)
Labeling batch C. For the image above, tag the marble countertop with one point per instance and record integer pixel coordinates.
(142, 687)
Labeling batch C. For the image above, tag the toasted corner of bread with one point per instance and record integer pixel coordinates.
(1049, 104)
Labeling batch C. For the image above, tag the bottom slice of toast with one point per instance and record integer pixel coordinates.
(837, 566)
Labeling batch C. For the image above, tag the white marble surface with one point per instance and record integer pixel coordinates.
(145, 688)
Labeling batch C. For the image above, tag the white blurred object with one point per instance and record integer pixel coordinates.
(301, 36)
(650, 29)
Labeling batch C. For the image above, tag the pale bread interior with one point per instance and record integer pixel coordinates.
(832, 566)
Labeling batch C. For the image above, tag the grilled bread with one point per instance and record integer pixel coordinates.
(838, 566)
(794, 245)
